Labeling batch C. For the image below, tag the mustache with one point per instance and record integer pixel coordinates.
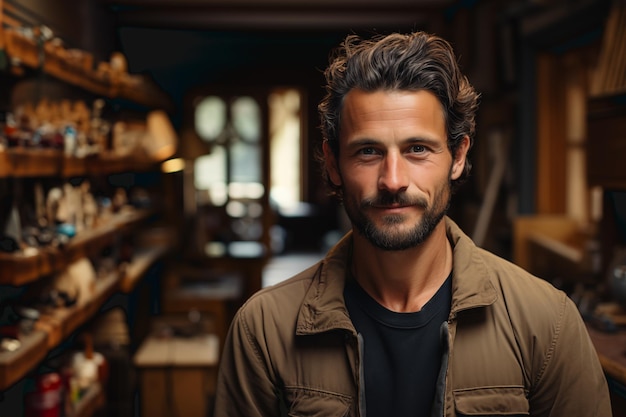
(385, 198)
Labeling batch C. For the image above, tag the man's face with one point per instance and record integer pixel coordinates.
(394, 165)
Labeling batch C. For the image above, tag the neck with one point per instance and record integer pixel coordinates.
(403, 281)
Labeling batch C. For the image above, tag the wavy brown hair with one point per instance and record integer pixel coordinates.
(412, 62)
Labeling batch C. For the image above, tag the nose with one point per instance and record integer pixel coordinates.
(394, 174)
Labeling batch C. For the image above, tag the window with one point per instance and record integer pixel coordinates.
(232, 175)
(285, 142)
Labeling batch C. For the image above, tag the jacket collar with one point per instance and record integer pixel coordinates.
(472, 279)
(324, 308)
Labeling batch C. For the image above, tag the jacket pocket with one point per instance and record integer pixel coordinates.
(316, 403)
(492, 401)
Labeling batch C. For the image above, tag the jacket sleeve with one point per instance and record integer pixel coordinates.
(244, 387)
(571, 381)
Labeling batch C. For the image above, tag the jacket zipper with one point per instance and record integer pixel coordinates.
(439, 404)
(361, 381)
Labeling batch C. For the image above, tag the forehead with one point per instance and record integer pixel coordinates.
(382, 110)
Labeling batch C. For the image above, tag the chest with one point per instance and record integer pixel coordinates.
(486, 371)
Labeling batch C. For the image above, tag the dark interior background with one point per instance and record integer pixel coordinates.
(513, 51)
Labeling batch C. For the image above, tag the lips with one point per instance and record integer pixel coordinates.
(392, 206)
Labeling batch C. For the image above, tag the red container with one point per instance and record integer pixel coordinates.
(45, 400)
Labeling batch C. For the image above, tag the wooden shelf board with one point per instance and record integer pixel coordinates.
(557, 247)
(5, 165)
(14, 365)
(78, 77)
(142, 261)
(22, 162)
(75, 167)
(611, 348)
(62, 322)
(19, 269)
(25, 51)
(30, 162)
(55, 326)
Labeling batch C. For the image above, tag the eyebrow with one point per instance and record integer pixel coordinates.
(357, 143)
(424, 140)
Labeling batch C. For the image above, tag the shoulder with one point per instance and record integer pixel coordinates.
(315, 289)
(481, 271)
(483, 278)
(532, 304)
(511, 275)
(278, 302)
(517, 283)
(536, 310)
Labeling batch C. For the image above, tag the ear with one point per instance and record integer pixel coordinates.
(331, 165)
(458, 164)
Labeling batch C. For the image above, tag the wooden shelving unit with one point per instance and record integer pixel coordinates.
(20, 268)
(75, 67)
(56, 325)
(14, 365)
(144, 259)
(30, 56)
(25, 162)
(62, 322)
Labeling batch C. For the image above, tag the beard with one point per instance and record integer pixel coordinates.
(391, 235)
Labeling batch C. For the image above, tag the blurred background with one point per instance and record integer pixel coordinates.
(157, 168)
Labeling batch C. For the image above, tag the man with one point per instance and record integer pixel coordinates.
(406, 316)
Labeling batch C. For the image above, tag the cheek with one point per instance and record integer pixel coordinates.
(358, 185)
(351, 184)
(430, 181)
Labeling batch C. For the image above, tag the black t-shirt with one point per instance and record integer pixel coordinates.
(402, 351)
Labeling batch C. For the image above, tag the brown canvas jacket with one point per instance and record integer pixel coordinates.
(516, 346)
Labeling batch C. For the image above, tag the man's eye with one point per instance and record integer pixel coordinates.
(368, 151)
(418, 149)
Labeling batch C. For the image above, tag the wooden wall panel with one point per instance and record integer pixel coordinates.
(551, 136)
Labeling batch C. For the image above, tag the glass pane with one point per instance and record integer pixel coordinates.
(245, 159)
(210, 175)
(246, 190)
(284, 108)
(246, 117)
(210, 118)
